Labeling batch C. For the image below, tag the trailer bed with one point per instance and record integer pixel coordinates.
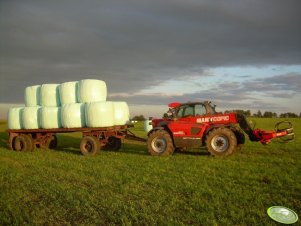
(93, 138)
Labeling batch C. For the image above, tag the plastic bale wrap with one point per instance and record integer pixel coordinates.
(68, 92)
(73, 115)
(30, 118)
(50, 96)
(50, 117)
(92, 90)
(121, 113)
(147, 126)
(14, 118)
(32, 96)
(100, 114)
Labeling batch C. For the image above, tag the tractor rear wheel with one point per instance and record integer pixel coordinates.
(160, 143)
(221, 142)
(89, 145)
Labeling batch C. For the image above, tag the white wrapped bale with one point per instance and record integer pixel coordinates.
(147, 126)
(92, 90)
(100, 114)
(50, 95)
(30, 118)
(73, 115)
(121, 113)
(14, 118)
(32, 96)
(68, 92)
(50, 117)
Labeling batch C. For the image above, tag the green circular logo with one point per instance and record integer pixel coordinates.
(282, 214)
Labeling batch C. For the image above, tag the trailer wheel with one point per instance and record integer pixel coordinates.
(159, 142)
(53, 142)
(23, 142)
(221, 142)
(114, 143)
(50, 143)
(89, 145)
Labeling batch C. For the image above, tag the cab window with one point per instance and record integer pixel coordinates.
(193, 110)
(200, 110)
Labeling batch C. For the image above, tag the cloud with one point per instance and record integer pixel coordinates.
(137, 44)
(239, 95)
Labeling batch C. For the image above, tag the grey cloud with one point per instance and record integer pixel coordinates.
(232, 94)
(133, 45)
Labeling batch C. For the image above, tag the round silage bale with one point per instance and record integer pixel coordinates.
(31, 118)
(68, 92)
(92, 90)
(32, 96)
(100, 114)
(121, 113)
(50, 95)
(73, 115)
(50, 117)
(14, 118)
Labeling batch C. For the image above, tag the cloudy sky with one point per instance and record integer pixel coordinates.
(241, 54)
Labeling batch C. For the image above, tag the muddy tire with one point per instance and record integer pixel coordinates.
(160, 143)
(221, 142)
(23, 142)
(53, 142)
(89, 145)
(114, 143)
(50, 143)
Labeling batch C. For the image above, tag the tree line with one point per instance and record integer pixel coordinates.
(258, 114)
(266, 114)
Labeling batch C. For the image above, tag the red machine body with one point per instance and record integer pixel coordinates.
(196, 124)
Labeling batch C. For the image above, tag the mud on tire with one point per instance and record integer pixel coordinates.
(221, 142)
(159, 143)
(89, 145)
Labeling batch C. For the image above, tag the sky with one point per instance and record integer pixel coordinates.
(239, 54)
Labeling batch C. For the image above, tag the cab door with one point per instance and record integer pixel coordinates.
(186, 131)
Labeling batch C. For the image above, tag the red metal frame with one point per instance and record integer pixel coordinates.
(41, 136)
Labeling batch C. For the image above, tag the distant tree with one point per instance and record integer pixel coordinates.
(258, 114)
(165, 115)
(268, 114)
(138, 118)
(246, 113)
(288, 115)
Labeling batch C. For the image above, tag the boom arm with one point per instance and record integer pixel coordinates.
(283, 130)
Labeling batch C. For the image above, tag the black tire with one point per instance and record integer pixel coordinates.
(160, 143)
(89, 145)
(51, 143)
(23, 142)
(114, 143)
(221, 141)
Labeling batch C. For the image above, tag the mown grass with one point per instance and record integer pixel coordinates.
(129, 187)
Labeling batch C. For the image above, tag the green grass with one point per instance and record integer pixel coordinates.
(129, 187)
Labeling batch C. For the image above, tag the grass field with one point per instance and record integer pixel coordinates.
(129, 187)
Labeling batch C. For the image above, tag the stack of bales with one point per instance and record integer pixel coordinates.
(68, 105)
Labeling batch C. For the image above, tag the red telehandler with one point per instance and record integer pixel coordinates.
(189, 125)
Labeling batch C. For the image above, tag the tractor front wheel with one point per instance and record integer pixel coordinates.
(159, 142)
(221, 142)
